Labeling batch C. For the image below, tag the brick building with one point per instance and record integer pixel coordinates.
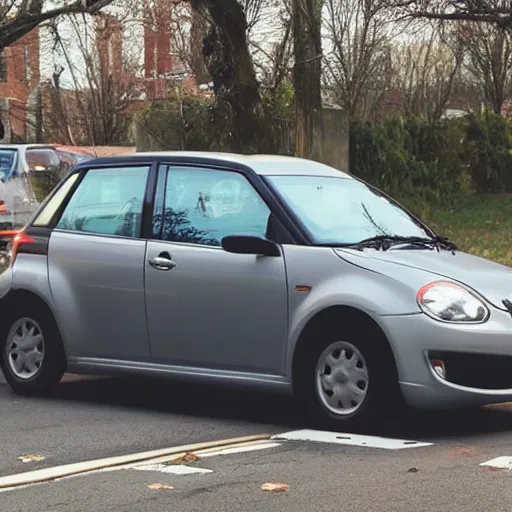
(109, 43)
(25, 79)
(162, 64)
(19, 79)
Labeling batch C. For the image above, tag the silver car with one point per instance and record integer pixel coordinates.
(265, 271)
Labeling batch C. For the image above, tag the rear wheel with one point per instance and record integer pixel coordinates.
(347, 378)
(32, 354)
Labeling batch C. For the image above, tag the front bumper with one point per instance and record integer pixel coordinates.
(478, 360)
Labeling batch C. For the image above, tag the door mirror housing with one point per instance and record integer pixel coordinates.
(241, 244)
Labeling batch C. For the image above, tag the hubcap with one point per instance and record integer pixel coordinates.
(342, 378)
(25, 348)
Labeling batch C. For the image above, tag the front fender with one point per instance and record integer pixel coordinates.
(336, 282)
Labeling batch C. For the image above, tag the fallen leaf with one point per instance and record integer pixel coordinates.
(187, 458)
(160, 487)
(31, 458)
(412, 470)
(492, 469)
(275, 487)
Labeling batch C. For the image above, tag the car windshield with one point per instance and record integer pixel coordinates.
(343, 210)
(8, 159)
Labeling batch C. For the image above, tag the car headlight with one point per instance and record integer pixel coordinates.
(450, 302)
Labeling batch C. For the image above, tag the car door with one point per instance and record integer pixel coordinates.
(206, 307)
(96, 265)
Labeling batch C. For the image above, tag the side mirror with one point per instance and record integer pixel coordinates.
(240, 244)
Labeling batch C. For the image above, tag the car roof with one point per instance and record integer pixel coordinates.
(265, 165)
(72, 149)
(27, 146)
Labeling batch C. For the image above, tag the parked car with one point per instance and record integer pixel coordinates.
(18, 197)
(265, 271)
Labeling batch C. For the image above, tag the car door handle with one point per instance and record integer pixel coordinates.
(162, 262)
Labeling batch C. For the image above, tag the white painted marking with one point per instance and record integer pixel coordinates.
(52, 473)
(349, 439)
(174, 469)
(150, 463)
(242, 449)
(504, 462)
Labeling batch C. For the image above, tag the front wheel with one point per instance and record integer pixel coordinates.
(32, 355)
(348, 380)
(341, 379)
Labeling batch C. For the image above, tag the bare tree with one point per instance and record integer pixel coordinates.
(466, 94)
(229, 62)
(19, 17)
(180, 28)
(489, 61)
(273, 59)
(253, 10)
(307, 45)
(426, 70)
(189, 27)
(498, 12)
(93, 106)
(357, 65)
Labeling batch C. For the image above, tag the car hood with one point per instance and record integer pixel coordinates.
(491, 280)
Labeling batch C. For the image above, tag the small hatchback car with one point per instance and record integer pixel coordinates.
(266, 271)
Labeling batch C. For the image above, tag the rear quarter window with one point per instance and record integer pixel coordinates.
(45, 216)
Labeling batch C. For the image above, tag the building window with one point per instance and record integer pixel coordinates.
(28, 67)
(3, 69)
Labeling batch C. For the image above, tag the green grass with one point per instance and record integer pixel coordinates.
(478, 224)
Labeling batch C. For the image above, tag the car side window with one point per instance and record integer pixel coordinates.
(107, 202)
(202, 206)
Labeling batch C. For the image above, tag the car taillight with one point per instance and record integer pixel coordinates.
(3, 209)
(16, 240)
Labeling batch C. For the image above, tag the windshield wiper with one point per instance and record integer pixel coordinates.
(385, 242)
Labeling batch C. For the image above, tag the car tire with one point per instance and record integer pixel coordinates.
(32, 356)
(364, 378)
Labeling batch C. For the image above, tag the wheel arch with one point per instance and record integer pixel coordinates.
(23, 296)
(340, 317)
(23, 303)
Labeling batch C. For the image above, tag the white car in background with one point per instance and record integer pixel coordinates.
(18, 199)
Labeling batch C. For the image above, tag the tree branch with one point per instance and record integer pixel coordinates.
(30, 15)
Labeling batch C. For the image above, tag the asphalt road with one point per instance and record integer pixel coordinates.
(319, 479)
(89, 419)
(99, 418)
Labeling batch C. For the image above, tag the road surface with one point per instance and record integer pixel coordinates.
(95, 418)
